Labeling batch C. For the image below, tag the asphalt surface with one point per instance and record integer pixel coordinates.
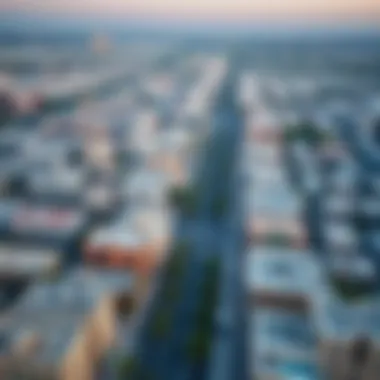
(209, 235)
(229, 354)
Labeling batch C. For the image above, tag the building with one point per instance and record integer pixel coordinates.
(282, 283)
(353, 267)
(291, 295)
(249, 90)
(61, 330)
(57, 186)
(137, 241)
(283, 278)
(146, 187)
(26, 263)
(343, 324)
(101, 200)
(283, 346)
(173, 153)
(57, 228)
(273, 210)
(7, 209)
(308, 167)
(263, 127)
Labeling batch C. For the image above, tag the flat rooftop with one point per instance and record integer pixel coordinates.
(262, 249)
(273, 200)
(283, 345)
(75, 292)
(29, 218)
(264, 154)
(138, 225)
(282, 271)
(51, 312)
(343, 320)
(269, 175)
(53, 333)
(19, 260)
(274, 230)
(340, 235)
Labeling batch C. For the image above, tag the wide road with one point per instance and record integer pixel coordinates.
(229, 354)
(211, 233)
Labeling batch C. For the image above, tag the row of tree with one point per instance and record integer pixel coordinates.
(200, 343)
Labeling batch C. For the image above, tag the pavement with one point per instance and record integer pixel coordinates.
(209, 236)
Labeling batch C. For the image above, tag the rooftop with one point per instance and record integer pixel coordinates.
(258, 249)
(144, 182)
(269, 175)
(52, 334)
(273, 200)
(29, 218)
(53, 311)
(26, 260)
(7, 209)
(339, 235)
(344, 176)
(353, 267)
(337, 205)
(342, 319)
(263, 154)
(283, 345)
(138, 225)
(282, 271)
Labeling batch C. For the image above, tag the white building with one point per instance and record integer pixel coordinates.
(282, 278)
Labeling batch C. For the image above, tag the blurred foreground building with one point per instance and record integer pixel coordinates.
(60, 329)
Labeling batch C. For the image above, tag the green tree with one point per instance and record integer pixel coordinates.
(184, 199)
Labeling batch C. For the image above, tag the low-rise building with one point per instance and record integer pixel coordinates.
(353, 267)
(25, 262)
(60, 330)
(344, 328)
(146, 187)
(283, 346)
(282, 278)
(263, 126)
(340, 236)
(58, 185)
(271, 231)
(57, 228)
(7, 210)
(137, 241)
(273, 210)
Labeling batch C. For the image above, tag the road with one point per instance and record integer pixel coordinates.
(211, 234)
(229, 353)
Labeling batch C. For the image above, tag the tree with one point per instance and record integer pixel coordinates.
(351, 289)
(127, 367)
(162, 323)
(306, 131)
(219, 207)
(184, 199)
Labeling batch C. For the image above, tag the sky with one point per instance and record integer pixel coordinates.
(324, 15)
(220, 9)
